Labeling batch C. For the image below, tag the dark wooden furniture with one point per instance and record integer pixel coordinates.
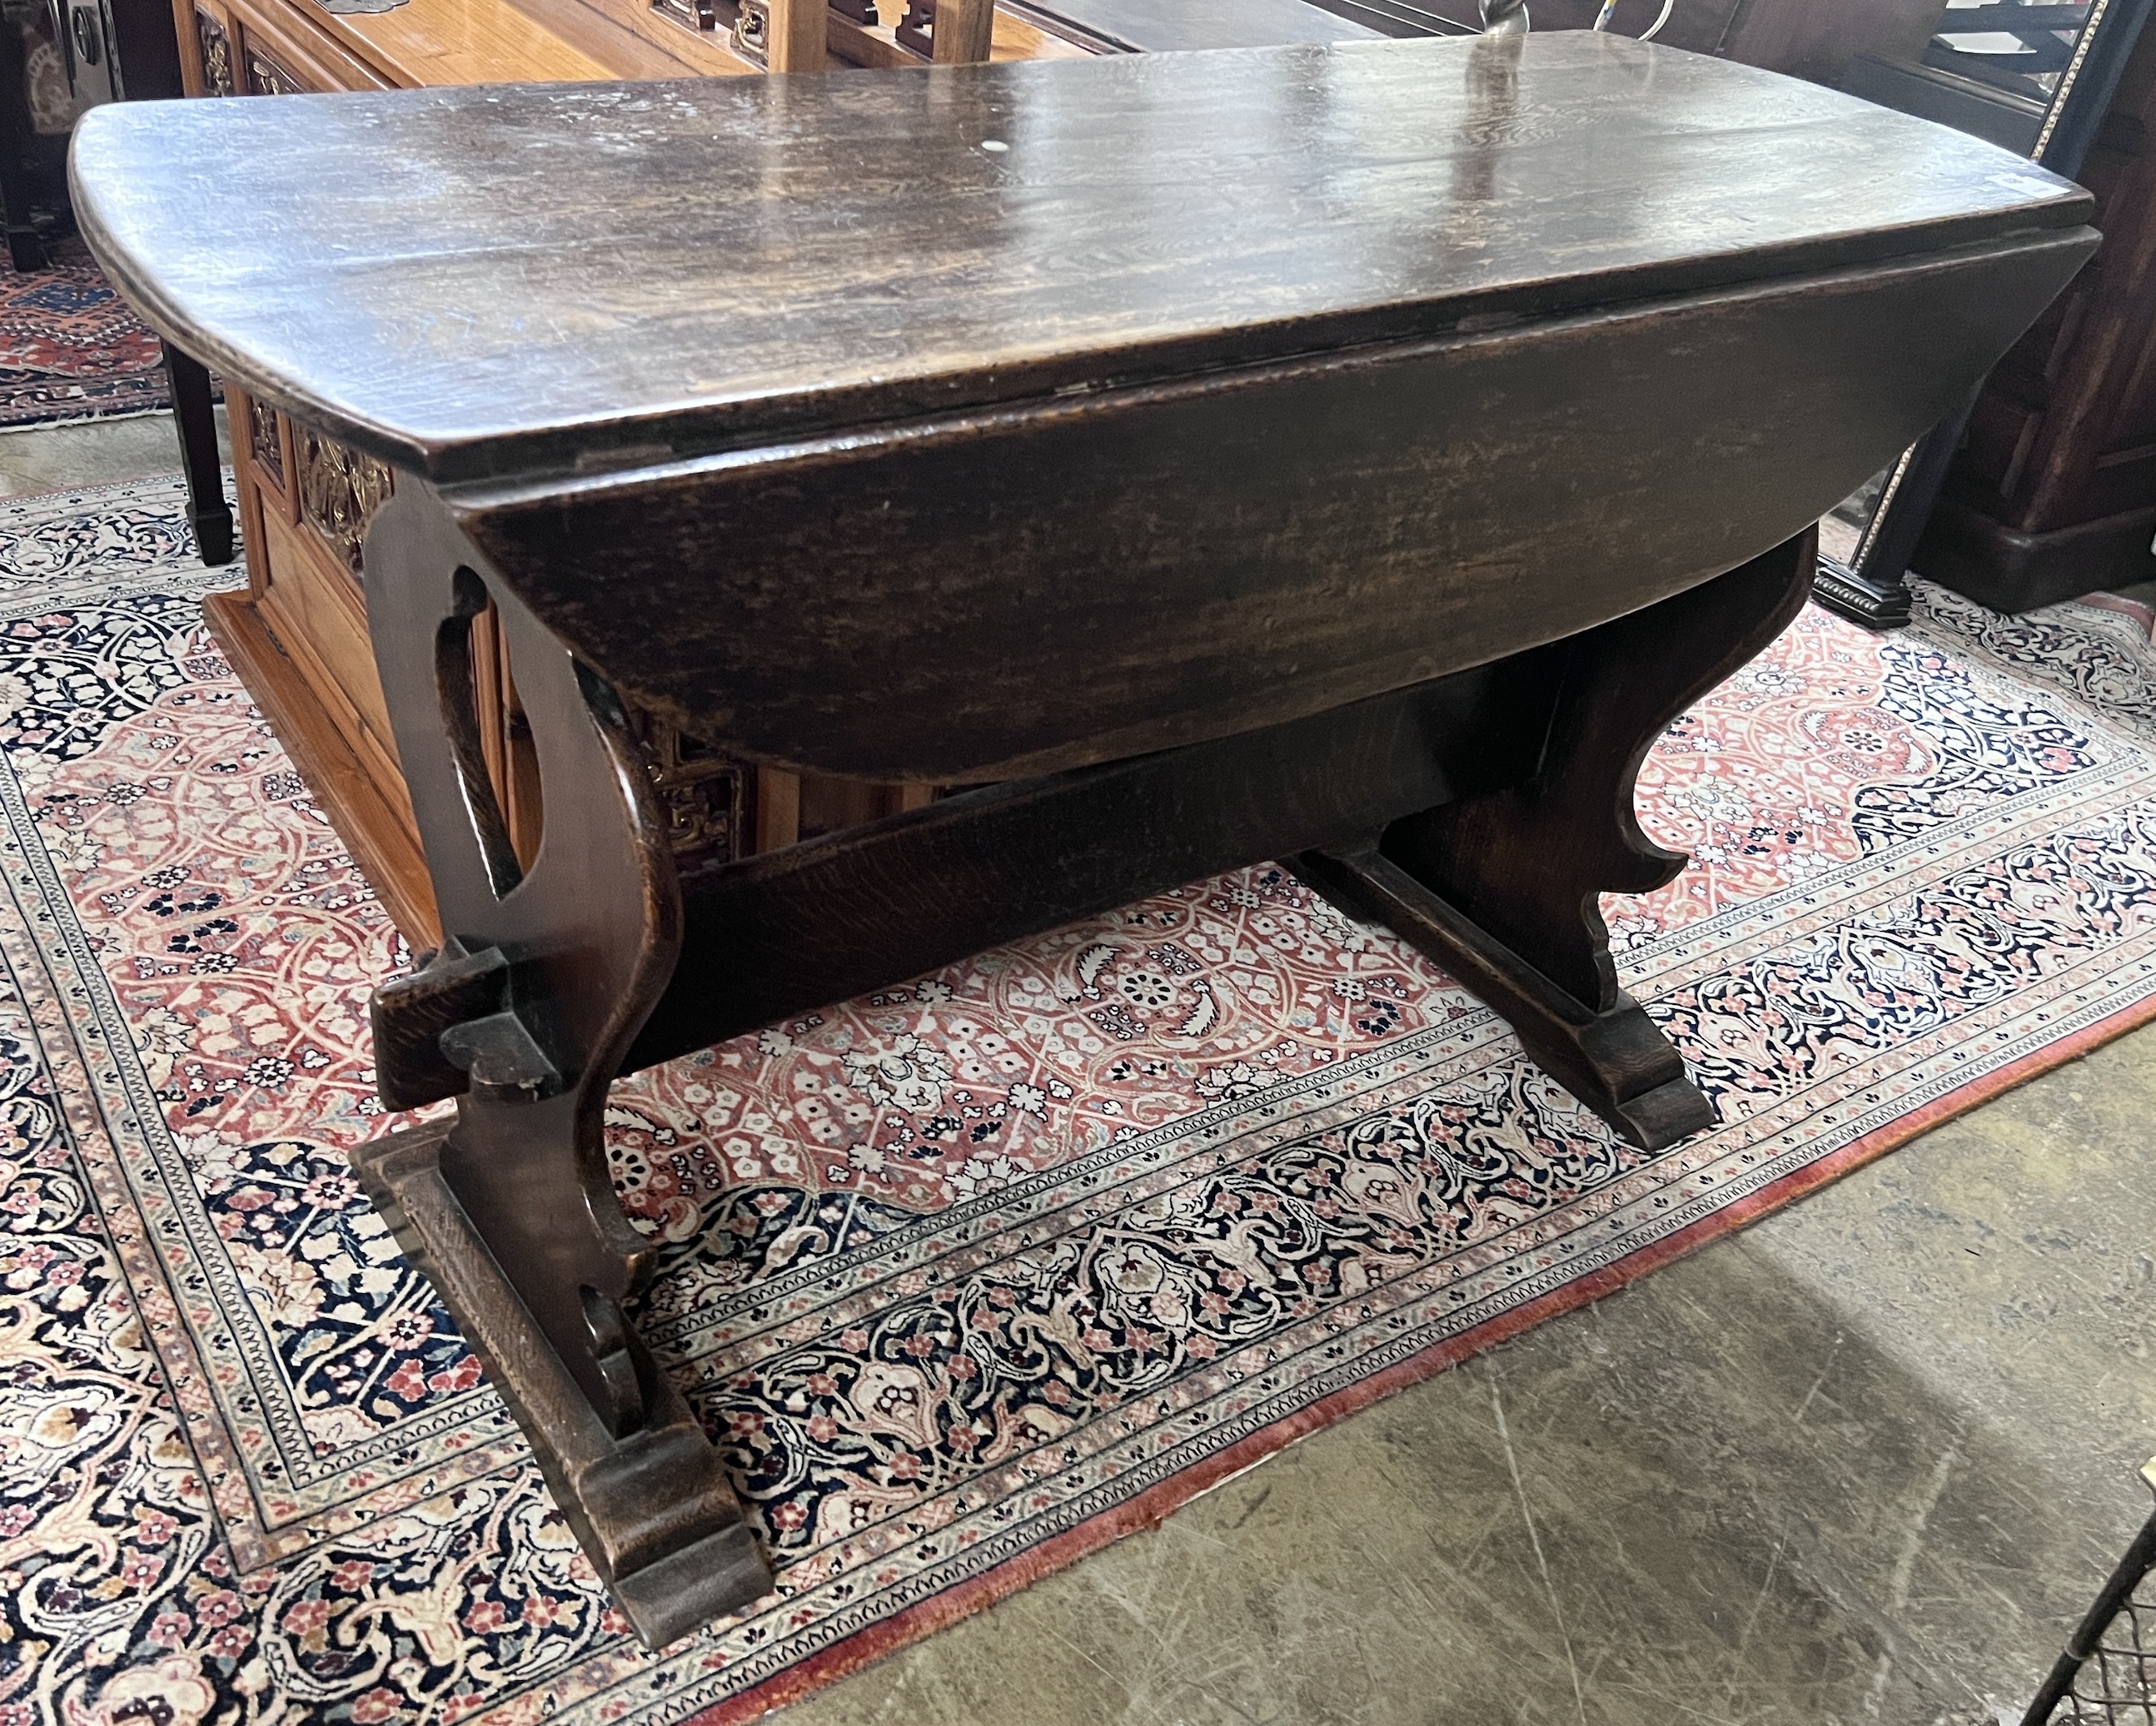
(32, 165)
(298, 634)
(1194, 505)
(2053, 109)
(113, 50)
(2053, 491)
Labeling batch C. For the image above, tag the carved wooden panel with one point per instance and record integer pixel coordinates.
(701, 791)
(216, 56)
(265, 77)
(916, 29)
(263, 443)
(691, 14)
(340, 489)
(949, 32)
(752, 36)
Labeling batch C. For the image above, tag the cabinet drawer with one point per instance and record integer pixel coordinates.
(282, 54)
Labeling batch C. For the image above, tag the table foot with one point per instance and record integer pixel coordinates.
(652, 1508)
(544, 975)
(1502, 889)
(1615, 1060)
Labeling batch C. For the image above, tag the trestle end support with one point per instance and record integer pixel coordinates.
(652, 1507)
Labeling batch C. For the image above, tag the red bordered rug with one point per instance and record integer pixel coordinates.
(970, 1276)
(69, 347)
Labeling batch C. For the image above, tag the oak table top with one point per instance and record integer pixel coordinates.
(573, 277)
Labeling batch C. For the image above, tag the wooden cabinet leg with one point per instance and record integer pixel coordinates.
(963, 31)
(1502, 889)
(196, 417)
(797, 33)
(25, 251)
(545, 974)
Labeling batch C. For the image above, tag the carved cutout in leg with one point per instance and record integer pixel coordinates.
(1502, 889)
(545, 976)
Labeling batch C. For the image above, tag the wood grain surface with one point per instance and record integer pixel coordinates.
(431, 42)
(490, 281)
(1285, 442)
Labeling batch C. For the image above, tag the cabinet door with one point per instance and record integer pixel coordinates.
(271, 66)
(280, 56)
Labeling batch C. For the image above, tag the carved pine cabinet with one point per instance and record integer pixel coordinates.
(297, 635)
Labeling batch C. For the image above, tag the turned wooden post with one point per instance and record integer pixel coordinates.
(798, 35)
(964, 28)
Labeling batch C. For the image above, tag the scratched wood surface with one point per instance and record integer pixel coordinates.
(488, 281)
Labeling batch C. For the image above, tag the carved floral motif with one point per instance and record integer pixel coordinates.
(266, 77)
(262, 440)
(700, 790)
(340, 491)
(216, 56)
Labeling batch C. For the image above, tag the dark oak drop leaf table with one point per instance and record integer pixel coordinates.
(1352, 454)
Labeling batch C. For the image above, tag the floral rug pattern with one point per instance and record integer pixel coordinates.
(69, 347)
(959, 1274)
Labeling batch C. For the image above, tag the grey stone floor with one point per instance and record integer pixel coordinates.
(1865, 1461)
(94, 453)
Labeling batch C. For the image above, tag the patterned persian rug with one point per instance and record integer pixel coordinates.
(69, 347)
(969, 1277)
